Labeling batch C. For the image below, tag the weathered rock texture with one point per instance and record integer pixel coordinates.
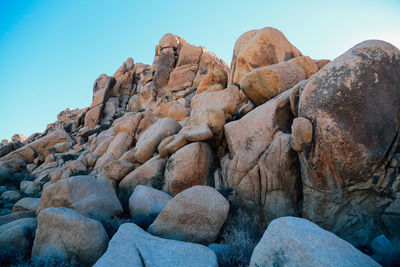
(92, 197)
(290, 241)
(194, 215)
(278, 134)
(66, 233)
(131, 246)
(262, 167)
(259, 48)
(349, 185)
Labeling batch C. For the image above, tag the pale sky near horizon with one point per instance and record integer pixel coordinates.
(51, 51)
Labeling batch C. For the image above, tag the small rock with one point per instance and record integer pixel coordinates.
(142, 176)
(26, 204)
(302, 133)
(118, 169)
(30, 188)
(86, 131)
(18, 138)
(263, 84)
(197, 133)
(11, 196)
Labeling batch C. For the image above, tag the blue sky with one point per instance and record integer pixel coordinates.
(52, 51)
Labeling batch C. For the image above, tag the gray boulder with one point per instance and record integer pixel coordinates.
(17, 236)
(65, 232)
(146, 203)
(291, 241)
(131, 246)
(94, 198)
(26, 204)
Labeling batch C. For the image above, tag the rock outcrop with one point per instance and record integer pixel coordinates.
(66, 233)
(349, 183)
(261, 166)
(278, 134)
(189, 166)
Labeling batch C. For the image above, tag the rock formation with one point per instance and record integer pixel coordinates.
(277, 134)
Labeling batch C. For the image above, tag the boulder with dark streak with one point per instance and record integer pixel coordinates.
(350, 186)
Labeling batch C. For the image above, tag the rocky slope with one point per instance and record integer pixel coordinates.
(182, 146)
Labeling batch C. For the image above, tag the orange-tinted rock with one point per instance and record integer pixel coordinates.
(93, 116)
(353, 105)
(321, 62)
(215, 77)
(189, 166)
(189, 54)
(263, 84)
(148, 142)
(307, 64)
(182, 77)
(259, 48)
(209, 62)
(302, 132)
(178, 112)
(227, 100)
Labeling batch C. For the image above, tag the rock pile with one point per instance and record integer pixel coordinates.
(179, 146)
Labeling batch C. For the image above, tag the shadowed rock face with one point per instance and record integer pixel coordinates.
(353, 104)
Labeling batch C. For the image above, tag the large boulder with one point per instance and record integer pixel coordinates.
(131, 246)
(189, 166)
(194, 215)
(151, 138)
(17, 237)
(259, 48)
(66, 233)
(92, 197)
(290, 241)
(349, 177)
(228, 100)
(262, 168)
(146, 203)
(263, 84)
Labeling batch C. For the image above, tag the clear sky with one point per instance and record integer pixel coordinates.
(52, 51)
